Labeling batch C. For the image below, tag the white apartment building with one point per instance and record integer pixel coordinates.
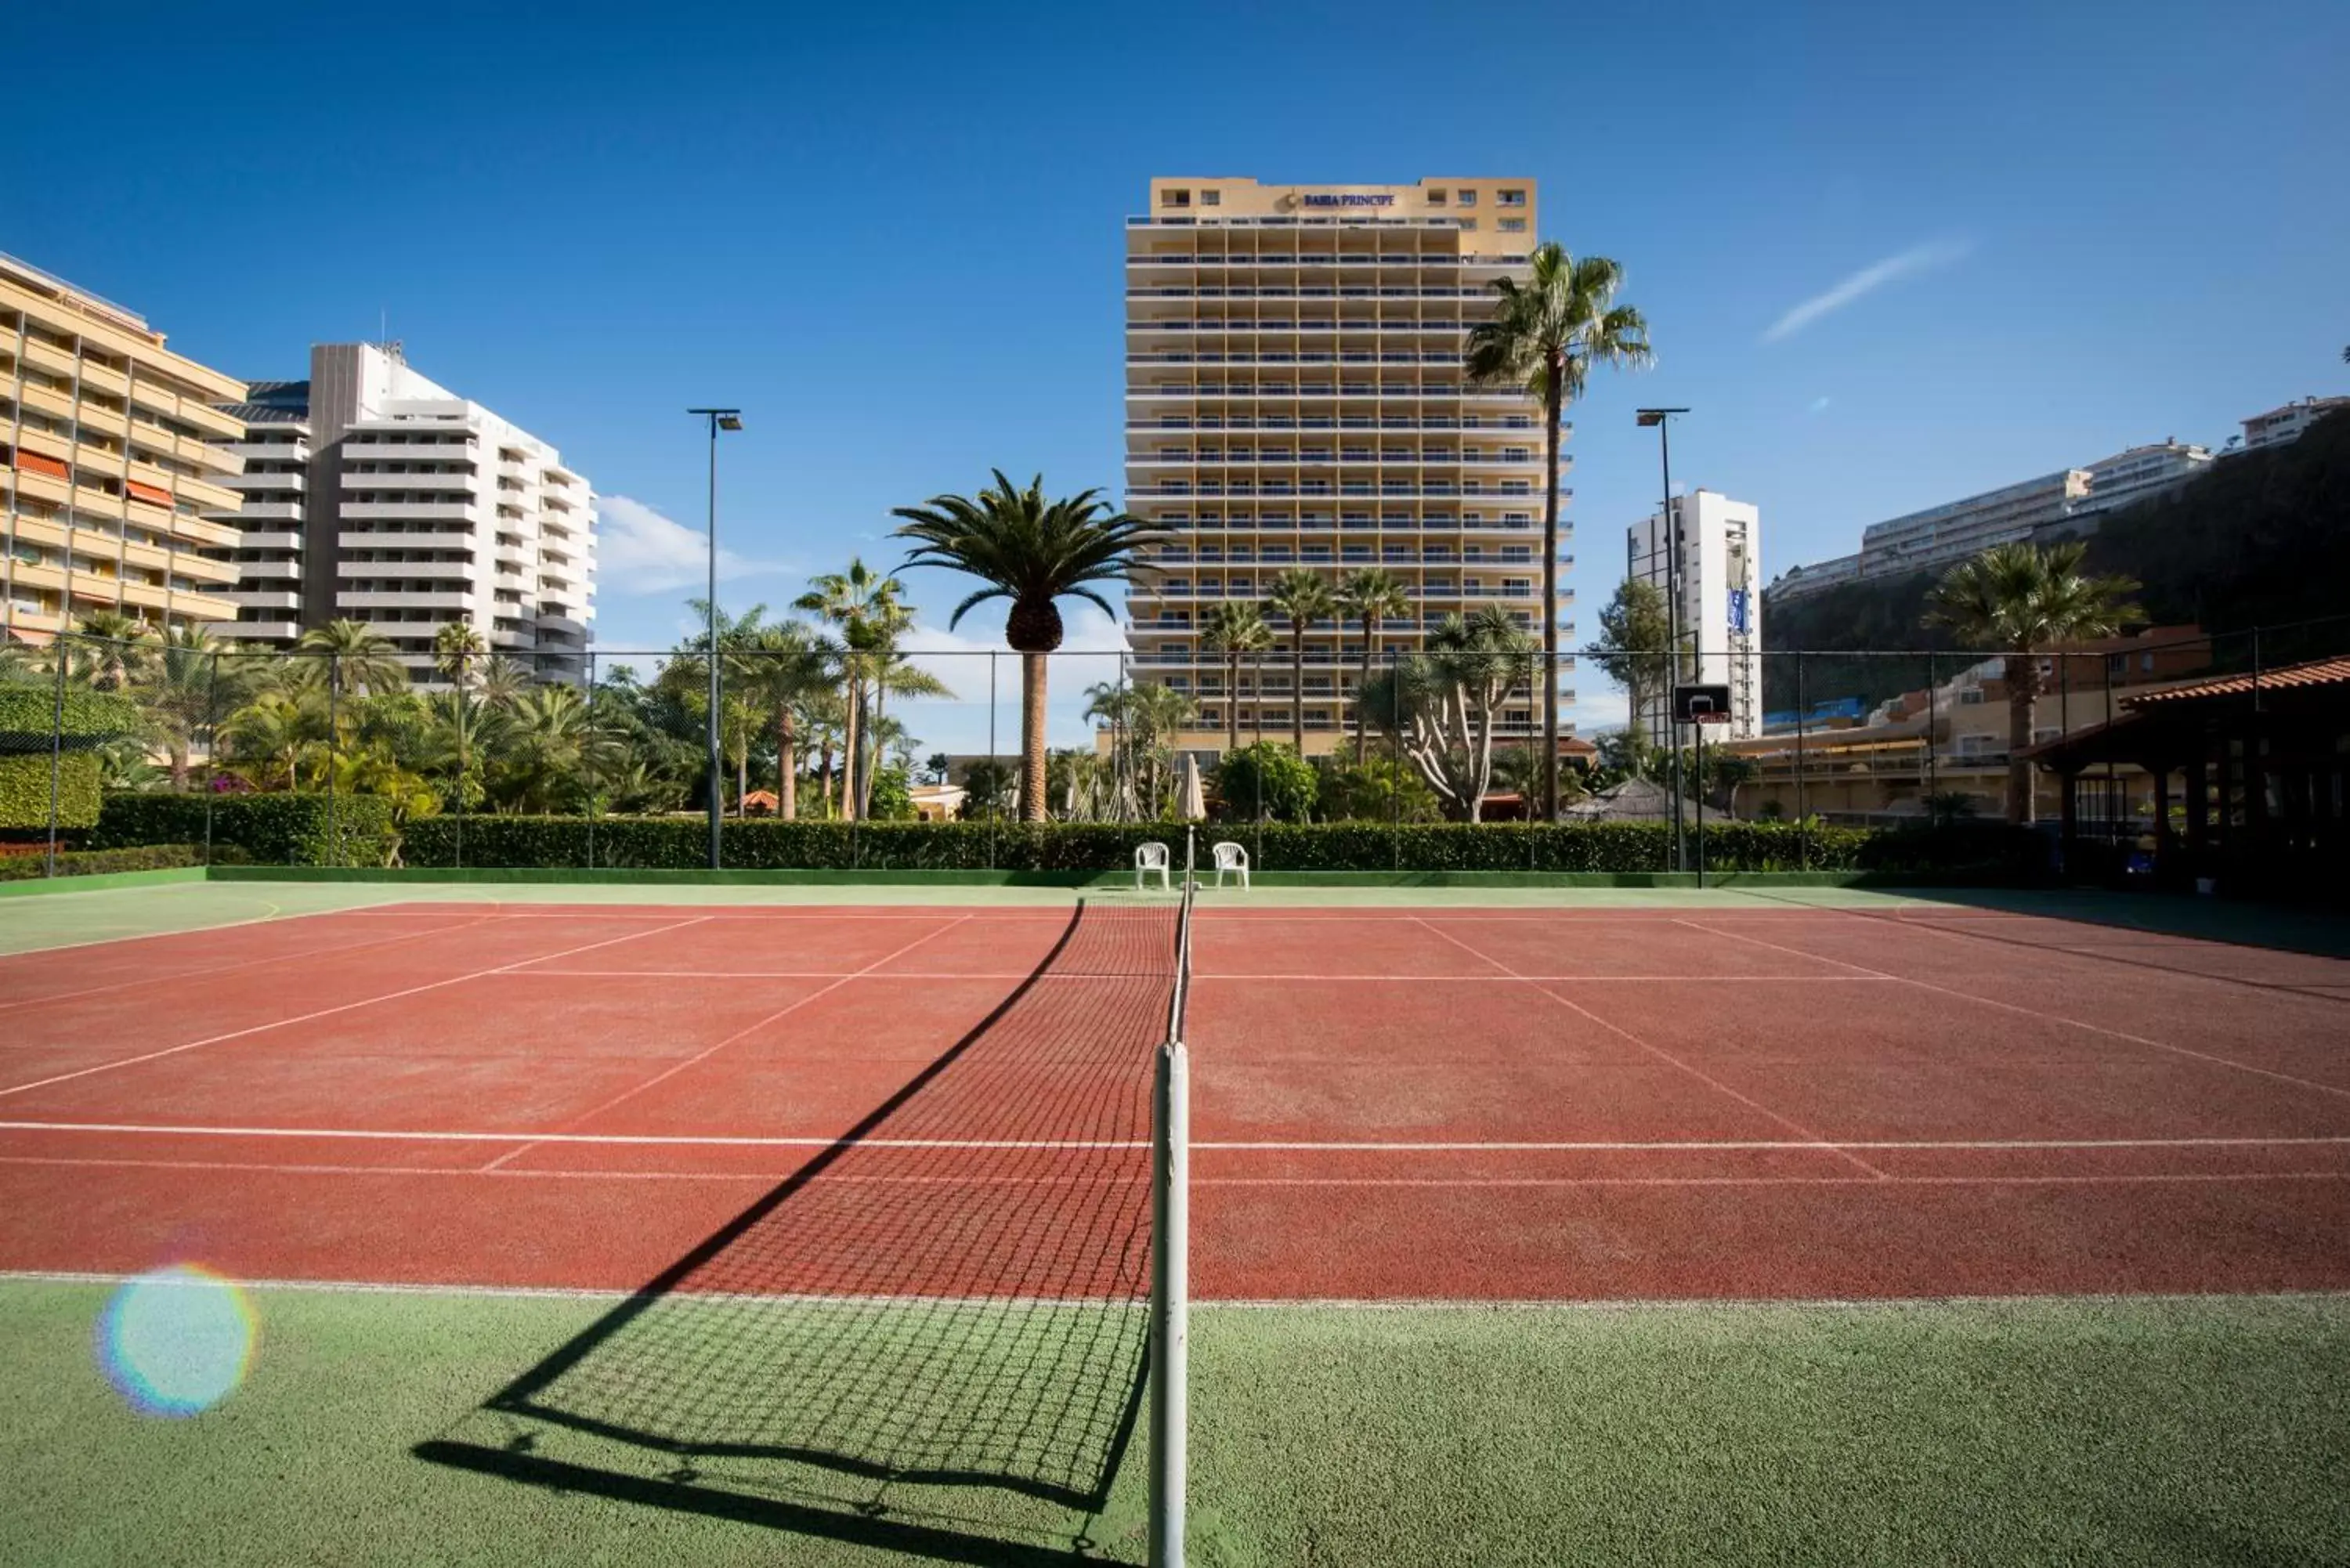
(1294, 399)
(2278, 426)
(1721, 574)
(2140, 472)
(374, 495)
(1940, 535)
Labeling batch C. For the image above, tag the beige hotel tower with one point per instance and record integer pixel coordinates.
(1294, 398)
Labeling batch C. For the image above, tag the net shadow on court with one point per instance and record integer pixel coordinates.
(900, 1320)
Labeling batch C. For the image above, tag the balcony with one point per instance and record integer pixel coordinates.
(413, 511)
(270, 511)
(265, 598)
(419, 539)
(350, 598)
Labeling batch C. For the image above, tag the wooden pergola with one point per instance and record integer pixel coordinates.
(2261, 761)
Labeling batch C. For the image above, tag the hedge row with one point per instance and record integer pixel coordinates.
(270, 829)
(684, 843)
(91, 862)
(25, 781)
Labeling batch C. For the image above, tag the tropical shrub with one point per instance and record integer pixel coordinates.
(1267, 780)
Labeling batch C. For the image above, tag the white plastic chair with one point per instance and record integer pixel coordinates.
(1149, 858)
(1230, 857)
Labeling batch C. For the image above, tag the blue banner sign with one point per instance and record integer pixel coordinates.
(1740, 620)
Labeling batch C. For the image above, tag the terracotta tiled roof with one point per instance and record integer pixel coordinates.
(2318, 672)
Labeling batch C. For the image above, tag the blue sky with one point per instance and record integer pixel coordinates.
(2027, 235)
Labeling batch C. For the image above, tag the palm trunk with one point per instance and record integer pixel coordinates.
(742, 780)
(824, 779)
(787, 782)
(2022, 688)
(1032, 737)
(865, 795)
(1553, 407)
(1298, 689)
(849, 752)
(1233, 696)
(1362, 723)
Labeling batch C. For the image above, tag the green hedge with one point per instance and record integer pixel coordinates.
(24, 790)
(271, 829)
(29, 717)
(683, 843)
(92, 862)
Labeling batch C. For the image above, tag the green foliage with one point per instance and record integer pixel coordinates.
(681, 843)
(25, 789)
(892, 799)
(29, 714)
(95, 862)
(273, 829)
(1379, 790)
(1265, 780)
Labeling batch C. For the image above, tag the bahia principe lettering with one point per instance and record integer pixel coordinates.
(1346, 200)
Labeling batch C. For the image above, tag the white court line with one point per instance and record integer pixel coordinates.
(322, 1013)
(1289, 1146)
(699, 1057)
(1138, 1176)
(1664, 1056)
(2036, 1013)
(1200, 975)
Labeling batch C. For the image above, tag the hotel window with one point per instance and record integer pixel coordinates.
(1509, 198)
(1511, 226)
(1174, 198)
(1468, 225)
(1468, 199)
(1435, 197)
(1211, 198)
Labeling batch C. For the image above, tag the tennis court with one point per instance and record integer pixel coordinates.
(927, 1129)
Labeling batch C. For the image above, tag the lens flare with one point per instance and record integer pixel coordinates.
(176, 1341)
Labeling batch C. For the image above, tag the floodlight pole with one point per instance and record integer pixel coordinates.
(730, 420)
(1662, 419)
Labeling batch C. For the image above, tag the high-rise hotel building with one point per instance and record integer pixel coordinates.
(111, 457)
(1294, 398)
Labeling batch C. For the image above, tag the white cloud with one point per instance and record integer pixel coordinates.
(1910, 262)
(1820, 404)
(640, 551)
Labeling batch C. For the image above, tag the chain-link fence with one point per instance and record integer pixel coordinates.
(195, 752)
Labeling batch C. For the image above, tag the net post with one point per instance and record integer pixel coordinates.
(1170, 1270)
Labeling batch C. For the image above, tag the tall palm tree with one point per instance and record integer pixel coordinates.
(1369, 596)
(1235, 628)
(2019, 599)
(868, 606)
(1544, 336)
(1302, 598)
(357, 659)
(1032, 551)
(454, 649)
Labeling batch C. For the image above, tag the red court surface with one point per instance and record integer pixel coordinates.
(1389, 1104)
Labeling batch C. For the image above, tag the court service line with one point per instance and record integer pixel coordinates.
(183, 975)
(2036, 1012)
(1235, 1146)
(1664, 1056)
(327, 1012)
(1197, 975)
(1138, 1176)
(753, 1028)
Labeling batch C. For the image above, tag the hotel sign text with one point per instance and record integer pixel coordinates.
(1335, 201)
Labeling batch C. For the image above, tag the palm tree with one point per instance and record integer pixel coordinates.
(1235, 628)
(1032, 551)
(868, 608)
(189, 690)
(357, 659)
(2018, 599)
(1545, 334)
(454, 649)
(500, 681)
(779, 667)
(1302, 598)
(121, 648)
(1370, 595)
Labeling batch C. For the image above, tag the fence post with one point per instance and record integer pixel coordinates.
(594, 749)
(211, 750)
(464, 752)
(1171, 1269)
(334, 742)
(57, 744)
(995, 768)
(1395, 759)
(1802, 772)
(1933, 776)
